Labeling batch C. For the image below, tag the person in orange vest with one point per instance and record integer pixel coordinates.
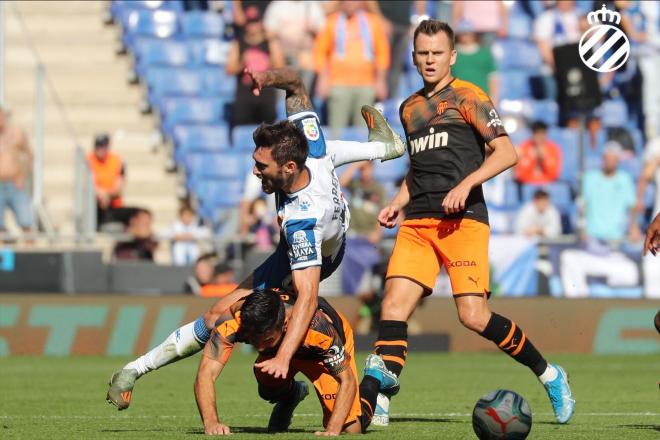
(108, 171)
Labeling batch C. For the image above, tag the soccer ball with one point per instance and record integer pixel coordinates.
(502, 414)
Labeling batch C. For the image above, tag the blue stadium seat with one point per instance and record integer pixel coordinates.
(560, 195)
(613, 112)
(514, 84)
(216, 166)
(119, 8)
(391, 170)
(513, 54)
(176, 111)
(201, 24)
(150, 52)
(200, 138)
(542, 110)
(358, 134)
(147, 23)
(520, 25)
(217, 82)
(217, 194)
(168, 81)
(208, 51)
(520, 135)
(568, 141)
(242, 137)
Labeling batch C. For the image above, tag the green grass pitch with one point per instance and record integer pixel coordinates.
(48, 398)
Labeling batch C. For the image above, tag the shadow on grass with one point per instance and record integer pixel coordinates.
(247, 430)
(649, 427)
(426, 420)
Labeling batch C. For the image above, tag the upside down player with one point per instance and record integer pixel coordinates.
(447, 125)
(326, 357)
(291, 160)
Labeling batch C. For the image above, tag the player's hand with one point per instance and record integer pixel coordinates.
(276, 367)
(257, 80)
(327, 433)
(652, 242)
(216, 428)
(389, 216)
(454, 201)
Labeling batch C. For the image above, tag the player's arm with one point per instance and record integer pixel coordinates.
(216, 353)
(503, 157)
(647, 175)
(345, 397)
(297, 99)
(388, 215)
(306, 283)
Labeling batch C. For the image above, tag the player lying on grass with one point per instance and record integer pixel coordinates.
(326, 357)
(292, 161)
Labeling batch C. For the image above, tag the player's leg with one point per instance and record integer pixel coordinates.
(384, 143)
(191, 337)
(411, 273)
(465, 250)
(285, 393)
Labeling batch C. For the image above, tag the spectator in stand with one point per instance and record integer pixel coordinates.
(362, 256)
(294, 24)
(15, 167)
(395, 17)
(539, 159)
(185, 234)
(475, 62)
(262, 230)
(109, 173)
(610, 218)
(539, 217)
(489, 18)
(557, 26)
(255, 51)
(351, 56)
(142, 244)
(210, 278)
(242, 9)
(650, 172)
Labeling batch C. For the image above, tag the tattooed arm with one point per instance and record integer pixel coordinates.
(297, 99)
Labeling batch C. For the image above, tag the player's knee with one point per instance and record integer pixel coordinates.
(473, 319)
(391, 309)
(270, 393)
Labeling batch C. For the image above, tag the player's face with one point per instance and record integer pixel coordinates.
(273, 177)
(433, 57)
(267, 341)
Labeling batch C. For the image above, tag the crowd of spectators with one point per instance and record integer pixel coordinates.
(351, 53)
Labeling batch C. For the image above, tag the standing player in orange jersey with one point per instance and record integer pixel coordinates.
(448, 124)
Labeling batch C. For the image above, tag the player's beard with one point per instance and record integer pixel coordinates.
(282, 182)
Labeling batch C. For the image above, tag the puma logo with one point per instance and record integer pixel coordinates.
(496, 417)
(511, 345)
(475, 281)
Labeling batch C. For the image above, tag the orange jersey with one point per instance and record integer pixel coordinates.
(323, 343)
(446, 135)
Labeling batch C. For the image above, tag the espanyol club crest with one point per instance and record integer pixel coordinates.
(603, 47)
(311, 129)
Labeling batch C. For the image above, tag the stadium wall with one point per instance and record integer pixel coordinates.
(124, 325)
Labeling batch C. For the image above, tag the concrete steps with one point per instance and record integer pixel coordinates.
(78, 51)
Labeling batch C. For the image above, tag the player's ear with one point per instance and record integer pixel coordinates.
(452, 59)
(290, 167)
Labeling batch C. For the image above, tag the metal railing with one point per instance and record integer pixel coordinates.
(86, 214)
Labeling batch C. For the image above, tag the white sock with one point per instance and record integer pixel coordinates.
(179, 345)
(549, 374)
(343, 152)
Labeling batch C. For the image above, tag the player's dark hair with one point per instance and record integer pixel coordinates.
(287, 142)
(539, 126)
(262, 312)
(540, 194)
(432, 27)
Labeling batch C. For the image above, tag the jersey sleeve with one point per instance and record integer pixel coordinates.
(221, 344)
(308, 123)
(323, 338)
(304, 238)
(480, 113)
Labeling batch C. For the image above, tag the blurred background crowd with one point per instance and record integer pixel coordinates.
(566, 221)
